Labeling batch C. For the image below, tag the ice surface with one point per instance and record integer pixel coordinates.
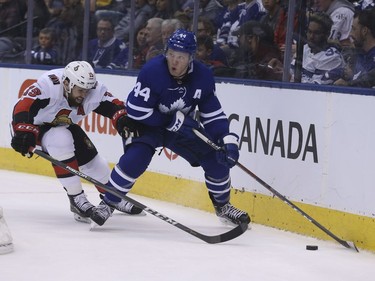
(50, 245)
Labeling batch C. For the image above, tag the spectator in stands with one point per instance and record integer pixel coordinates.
(41, 16)
(257, 48)
(165, 9)
(273, 12)
(45, 53)
(205, 47)
(185, 18)
(139, 52)
(212, 10)
(276, 18)
(322, 62)
(103, 49)
(168, 27)
(114, 9)
(141, 48)
(236, 14)
(363, 36)
(54, 7)
(68, 28)
(154, 38)
(231, 16)
(143, 12)
(152, 3)
(206, 28)
(251, 10)
(11, 51)
(12, 12)
(341, 13)
(364, 4)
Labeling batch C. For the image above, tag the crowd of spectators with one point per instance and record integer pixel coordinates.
(236, 38)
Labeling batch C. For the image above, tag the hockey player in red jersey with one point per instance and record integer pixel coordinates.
(47, 115)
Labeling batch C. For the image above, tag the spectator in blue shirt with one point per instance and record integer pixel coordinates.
(45, 53)
(103, 49)
(363, 36)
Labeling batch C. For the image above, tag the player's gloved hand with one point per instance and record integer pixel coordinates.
(183, 125)
(125, 126)
(24, 139)
(229, 153)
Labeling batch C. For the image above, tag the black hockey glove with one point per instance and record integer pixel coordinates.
(183, 125)
(24, 139)
(125, 126)
(229, 153)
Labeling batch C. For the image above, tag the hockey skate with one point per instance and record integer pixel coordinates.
(80, 207)
(230, 214)
(124, 207)
(101, 213)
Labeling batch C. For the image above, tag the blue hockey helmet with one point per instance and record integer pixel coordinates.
(183, 41)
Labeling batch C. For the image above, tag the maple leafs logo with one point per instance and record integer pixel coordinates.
(178, 105)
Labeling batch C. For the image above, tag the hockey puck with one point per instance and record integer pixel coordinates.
(311, 247)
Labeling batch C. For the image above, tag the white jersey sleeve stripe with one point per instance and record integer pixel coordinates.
(211, 114)
(138, 109)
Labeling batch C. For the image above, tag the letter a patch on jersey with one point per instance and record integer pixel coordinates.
(197, 94)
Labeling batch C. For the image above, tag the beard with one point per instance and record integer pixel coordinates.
(74, 102)
(358, 44)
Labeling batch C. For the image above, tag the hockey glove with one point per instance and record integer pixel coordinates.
(125, 126)
(228, 154)
(183, 125)
(24, 139)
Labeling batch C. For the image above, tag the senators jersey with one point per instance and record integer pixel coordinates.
(44, 103)
(157, 96)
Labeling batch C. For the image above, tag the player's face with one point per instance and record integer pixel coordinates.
(177, 62)
(77, 96)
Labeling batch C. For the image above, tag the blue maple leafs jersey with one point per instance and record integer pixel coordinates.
(157, 96)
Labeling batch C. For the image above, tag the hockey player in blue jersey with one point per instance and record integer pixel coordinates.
(168, 90)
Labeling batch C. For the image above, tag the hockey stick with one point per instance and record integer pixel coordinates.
(233, 233)
(347, 244)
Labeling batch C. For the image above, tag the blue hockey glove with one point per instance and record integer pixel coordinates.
(228, 154)
(183, 125)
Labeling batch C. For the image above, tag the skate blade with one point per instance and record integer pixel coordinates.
(231, 224)
(81, 219)
(93, 226)
(6, 248)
